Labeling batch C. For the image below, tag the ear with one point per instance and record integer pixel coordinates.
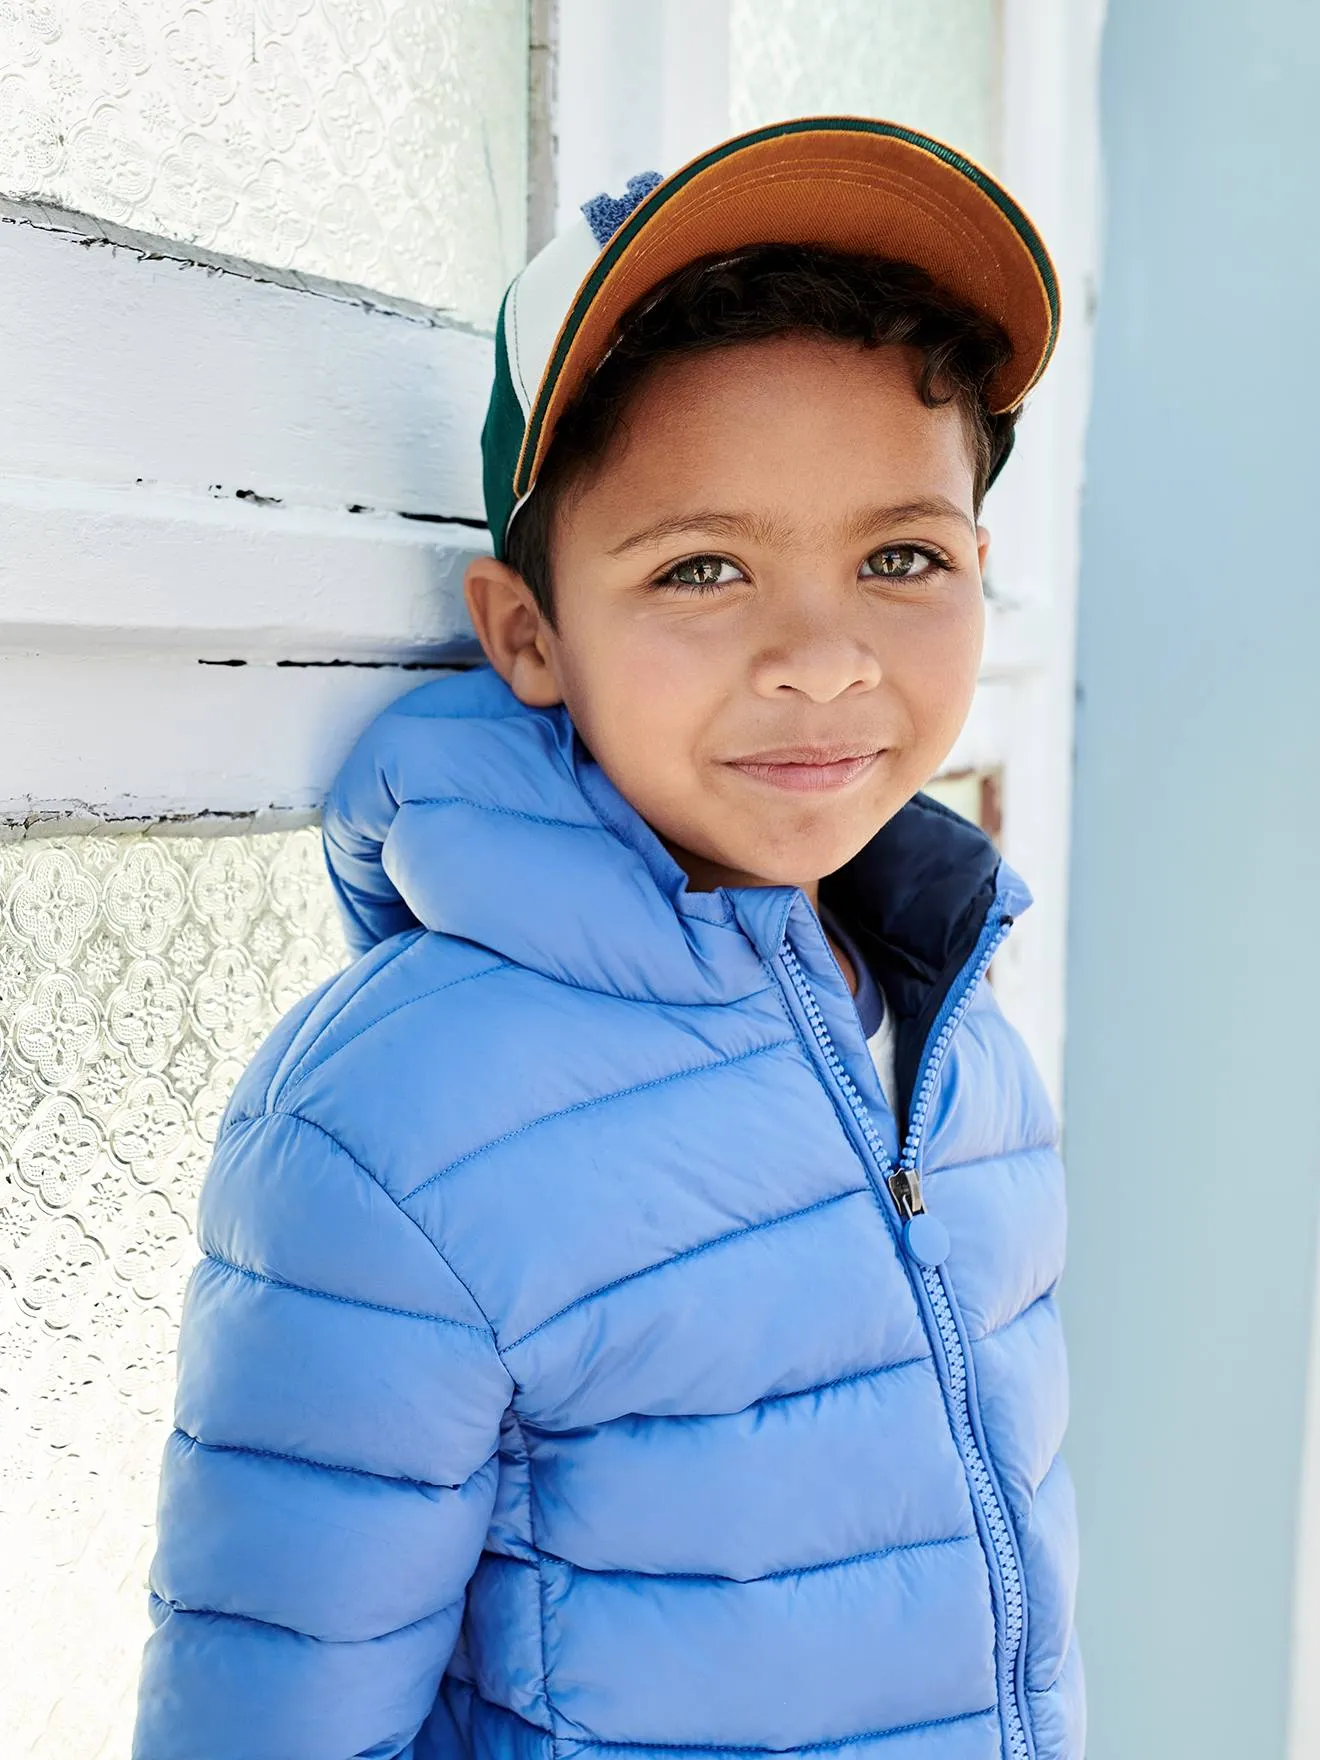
(513, 631)
(982, 545)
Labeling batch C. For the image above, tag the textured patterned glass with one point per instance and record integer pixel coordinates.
(137, 975)
(933, 64)
(381, 142)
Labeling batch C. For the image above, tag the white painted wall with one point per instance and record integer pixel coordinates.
(643, 86)
(1049, 158)
(203, 463)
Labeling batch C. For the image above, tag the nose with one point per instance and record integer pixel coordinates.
(808, 645)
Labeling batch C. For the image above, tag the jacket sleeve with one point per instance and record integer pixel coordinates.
(328, 1485)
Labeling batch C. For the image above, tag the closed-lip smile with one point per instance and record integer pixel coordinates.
(807, 769)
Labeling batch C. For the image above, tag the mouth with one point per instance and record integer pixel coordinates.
(807, 769)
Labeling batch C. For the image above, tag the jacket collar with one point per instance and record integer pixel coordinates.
(462, 810)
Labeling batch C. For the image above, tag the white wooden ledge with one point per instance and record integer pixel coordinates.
(236, 509)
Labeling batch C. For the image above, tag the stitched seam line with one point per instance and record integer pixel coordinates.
(308, 1069)
(1021, 1314)
(462, 800)
(451, 717)
(800, 1570)
(665, 1002)
(870, 1735)
(270, 1625)
(734, 1234)
(311, 1125)
(861, 1375)
(324, 1295)
(1054, 1685)
(755, 1405)
(517, 357)
(302, 1460)
(532, 1124)
(384, 966)
(1022, 1153)
(508, 1711)
(238, 1121)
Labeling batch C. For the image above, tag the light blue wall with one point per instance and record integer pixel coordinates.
(1193, 1085)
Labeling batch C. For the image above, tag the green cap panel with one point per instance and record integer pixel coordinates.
(501, 442)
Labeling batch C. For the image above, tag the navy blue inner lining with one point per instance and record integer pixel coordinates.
(915, 901)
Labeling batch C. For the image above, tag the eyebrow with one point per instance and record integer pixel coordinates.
(760, 529)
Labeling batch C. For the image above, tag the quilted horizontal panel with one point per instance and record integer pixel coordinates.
(793, 1480)
(803, 1300)
(340, 1556)
(819, 1656)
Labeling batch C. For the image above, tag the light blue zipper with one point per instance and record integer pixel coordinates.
(927, 1245)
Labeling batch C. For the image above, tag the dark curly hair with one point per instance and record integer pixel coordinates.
(771, 290)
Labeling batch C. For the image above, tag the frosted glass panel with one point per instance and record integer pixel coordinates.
(376, 141)
(933, 64)
(137, 975)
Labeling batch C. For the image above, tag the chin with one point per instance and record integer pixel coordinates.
(802, 861)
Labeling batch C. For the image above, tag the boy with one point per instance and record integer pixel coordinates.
(575, 1365)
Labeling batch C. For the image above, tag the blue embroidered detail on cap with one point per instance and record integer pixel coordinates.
(606, 214)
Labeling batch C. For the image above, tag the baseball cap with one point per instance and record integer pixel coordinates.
(845, 183)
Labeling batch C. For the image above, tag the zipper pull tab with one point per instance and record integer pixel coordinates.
(905, 1189)
(924, 1235)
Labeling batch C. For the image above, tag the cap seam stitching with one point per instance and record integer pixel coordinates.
(525, 396)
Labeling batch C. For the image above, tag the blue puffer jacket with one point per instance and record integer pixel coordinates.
(556, 1381)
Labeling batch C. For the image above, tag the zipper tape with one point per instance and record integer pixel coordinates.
(926, 1243)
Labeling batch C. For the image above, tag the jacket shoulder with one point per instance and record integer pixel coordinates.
(431, 1050)
(304, 1191)
(364, 1033)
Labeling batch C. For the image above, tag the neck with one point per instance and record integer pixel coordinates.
(705, 875)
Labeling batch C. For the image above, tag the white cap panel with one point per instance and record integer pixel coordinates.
(538, 304)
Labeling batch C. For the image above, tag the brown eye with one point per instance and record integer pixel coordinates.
(699, 572)
(900, 562)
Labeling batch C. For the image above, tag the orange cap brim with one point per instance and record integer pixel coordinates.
(841, 183)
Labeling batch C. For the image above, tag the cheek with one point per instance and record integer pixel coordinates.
(935, 662)
(640, 691)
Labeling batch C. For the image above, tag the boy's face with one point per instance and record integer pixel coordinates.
(768, 604)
